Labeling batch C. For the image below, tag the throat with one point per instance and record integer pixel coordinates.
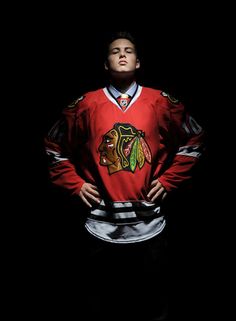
(122, 85)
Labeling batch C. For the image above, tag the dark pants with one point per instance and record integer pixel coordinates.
(91, 279)
(126, 281)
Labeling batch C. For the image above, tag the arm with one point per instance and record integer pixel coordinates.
(185, 145)
(61, 143)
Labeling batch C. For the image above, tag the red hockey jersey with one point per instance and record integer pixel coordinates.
(121, 150)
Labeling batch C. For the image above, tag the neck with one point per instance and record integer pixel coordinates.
(122, 86)
(122, 83)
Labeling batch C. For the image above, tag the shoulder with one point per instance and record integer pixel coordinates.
(169, 98)
(161, 96)
(151, 92)
(84, 100)
(75, 102)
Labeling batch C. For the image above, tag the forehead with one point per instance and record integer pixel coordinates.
(121, 43)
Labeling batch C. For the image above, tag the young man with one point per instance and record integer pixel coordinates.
(120, 150)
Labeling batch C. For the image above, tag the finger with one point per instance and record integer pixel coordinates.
(164, 195)
(93, 198)
(84, 199)
(94, 192)
(92, 189)
(154, 190)
(93, 186)
(157, 195)
(153, 183)
(90, 194)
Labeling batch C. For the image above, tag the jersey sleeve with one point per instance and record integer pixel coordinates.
(185, 141)
(60, 144)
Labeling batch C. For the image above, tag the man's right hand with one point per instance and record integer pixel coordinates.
(89, 194)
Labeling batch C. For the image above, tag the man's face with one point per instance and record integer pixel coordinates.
(107, 149)
(122, 57)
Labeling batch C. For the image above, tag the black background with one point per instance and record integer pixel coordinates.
(54, 58)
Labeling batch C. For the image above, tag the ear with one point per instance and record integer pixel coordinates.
(106, 65)
(137, 63)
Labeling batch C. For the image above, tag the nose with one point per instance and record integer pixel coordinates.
(100, 147)
(122, 53)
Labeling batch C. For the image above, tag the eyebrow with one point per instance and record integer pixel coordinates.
(115, 48)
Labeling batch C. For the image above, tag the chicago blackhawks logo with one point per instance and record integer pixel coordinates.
(124, 148)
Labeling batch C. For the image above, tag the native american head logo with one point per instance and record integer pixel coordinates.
(124, 148)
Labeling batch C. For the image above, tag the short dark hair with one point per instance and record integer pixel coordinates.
(119, 35)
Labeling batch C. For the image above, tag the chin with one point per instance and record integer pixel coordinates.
(123, 73)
